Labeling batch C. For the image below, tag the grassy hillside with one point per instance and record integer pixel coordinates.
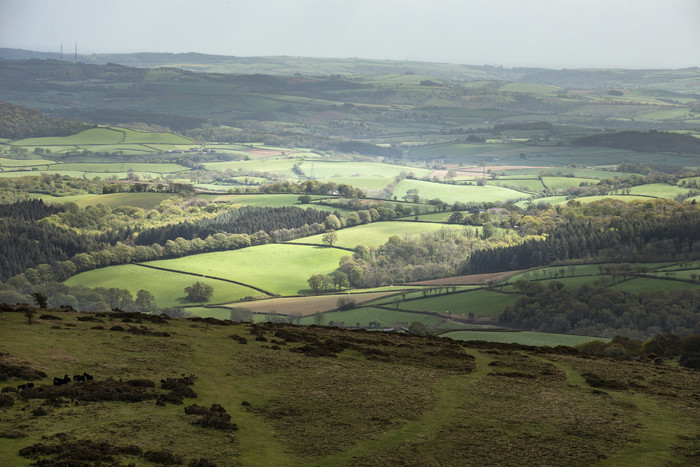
(326, 397)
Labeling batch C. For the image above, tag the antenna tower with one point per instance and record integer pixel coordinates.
(61, 51)
(76, 52)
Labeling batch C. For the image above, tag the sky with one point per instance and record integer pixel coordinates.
(510, 33)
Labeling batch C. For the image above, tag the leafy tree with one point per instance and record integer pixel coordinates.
(243, 315)
(319, 318)
(332, 222)
(199, 292)
(40, 300)
(145, 301)
(330, 237)
(417, 328)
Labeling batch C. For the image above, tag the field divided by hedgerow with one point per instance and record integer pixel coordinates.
(168, 288)
(278, 268)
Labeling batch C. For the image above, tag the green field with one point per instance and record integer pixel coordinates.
(457, 193)
(561, 183)
(278, 268)
(269, 200)
(522, 337)
(106, 136)
(658, 190)
(480, 302)
(377, 233)
(168, 288)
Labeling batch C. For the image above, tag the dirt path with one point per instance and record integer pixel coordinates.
(449, 395)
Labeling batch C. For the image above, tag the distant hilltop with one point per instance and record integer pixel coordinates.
(286, 65)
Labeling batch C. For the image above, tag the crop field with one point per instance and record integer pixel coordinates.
(480, 302)
(168, 288)
(305, 306)
(457, 193)
(278, 268)
(522, 337)
(377, 233)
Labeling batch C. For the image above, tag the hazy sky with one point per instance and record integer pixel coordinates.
(550, 33)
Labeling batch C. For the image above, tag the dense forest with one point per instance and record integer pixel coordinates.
(246, 220)
(608, 230)
(18, 122)
(603, 311)
(25, 242)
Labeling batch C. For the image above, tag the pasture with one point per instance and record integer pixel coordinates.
(377, 233)
(364, 317)
(481, 302)
(333, 169)
(269, 200)
(168, 288)
(457, 193)
(277, 268)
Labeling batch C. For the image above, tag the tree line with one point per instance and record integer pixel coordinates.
(602, 311)
(19, 122)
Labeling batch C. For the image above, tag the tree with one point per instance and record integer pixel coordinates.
(199, 292)
(330, 237)
(332, 222)
(40, 300)
(304, 199)
(319, 318)
(417, 328)
(241, 315)
(145, 301)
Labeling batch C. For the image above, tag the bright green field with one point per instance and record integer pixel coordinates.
(377, 233)
(479, 302)
(266, 200)
(281, 167)
(522, 337)
(168, 288)
(661, 190)
(561, 183)
(529, 88)
(454, 193)
(116, 167)
(530, 184)
(13, 163)
(277, 268)
(548, 200)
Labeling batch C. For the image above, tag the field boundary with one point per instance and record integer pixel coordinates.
(205, 277)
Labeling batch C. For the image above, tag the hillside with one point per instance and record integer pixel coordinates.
(256, 394)
(17, 122)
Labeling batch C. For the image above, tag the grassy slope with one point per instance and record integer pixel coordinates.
(285, 268)
(377, 233)
(468, 405)
(168, 288)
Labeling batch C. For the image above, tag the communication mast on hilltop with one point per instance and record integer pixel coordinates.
(76, 52)
(61, 51)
